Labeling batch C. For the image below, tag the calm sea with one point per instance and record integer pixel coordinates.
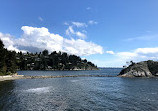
(79, 93)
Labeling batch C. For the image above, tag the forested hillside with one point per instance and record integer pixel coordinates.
(10, 61)
(7, 61)
(52, 61)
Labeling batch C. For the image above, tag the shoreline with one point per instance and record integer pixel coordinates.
(15, 77)
(11, 77)
(63, 70)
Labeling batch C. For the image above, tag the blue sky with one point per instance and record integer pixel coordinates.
(111, 31)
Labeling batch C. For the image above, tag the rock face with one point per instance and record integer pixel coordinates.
(142, 69)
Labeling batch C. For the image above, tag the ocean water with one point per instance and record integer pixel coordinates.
(79, 93)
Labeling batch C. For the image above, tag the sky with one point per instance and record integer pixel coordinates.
(106, 32)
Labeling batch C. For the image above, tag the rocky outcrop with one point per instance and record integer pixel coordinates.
(142, 69)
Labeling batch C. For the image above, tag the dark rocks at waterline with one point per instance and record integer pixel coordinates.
(141, 69)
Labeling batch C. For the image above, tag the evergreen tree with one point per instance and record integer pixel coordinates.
(3, 67)
(7, 61)
(10, 61)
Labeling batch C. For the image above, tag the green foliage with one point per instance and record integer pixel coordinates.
(7, 61)
(45, 52)
(10, 61)
(52, 61)
(153, 67)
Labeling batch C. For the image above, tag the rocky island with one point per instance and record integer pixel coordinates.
(141, 69)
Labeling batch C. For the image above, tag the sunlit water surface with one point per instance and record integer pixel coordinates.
(79, 93)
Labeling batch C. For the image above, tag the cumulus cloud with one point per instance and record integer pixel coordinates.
(8, 42)
(147, 50)
(139, 54)
(37, 39)
(119, 59)
(110, 52)
(81, 47)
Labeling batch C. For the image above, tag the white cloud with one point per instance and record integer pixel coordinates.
(79, 24)
(8, 42)
(127, 55)
(40, 18)
(146, 50)
(81, 47)
(91, 22)
(81, 35)
(139, 54)
(37, 39)
(70, 31)
(119, 59)
(110, 52)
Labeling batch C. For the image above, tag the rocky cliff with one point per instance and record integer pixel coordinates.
(142, 69)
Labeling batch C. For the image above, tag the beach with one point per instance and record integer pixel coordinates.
(11, 77)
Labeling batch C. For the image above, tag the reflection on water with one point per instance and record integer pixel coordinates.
(6, 93)
(82, 93)
(38, 90)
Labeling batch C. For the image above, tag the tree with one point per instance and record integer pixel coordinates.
(45, 52)
(3, 67)
(10, 61)
(7, 60)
